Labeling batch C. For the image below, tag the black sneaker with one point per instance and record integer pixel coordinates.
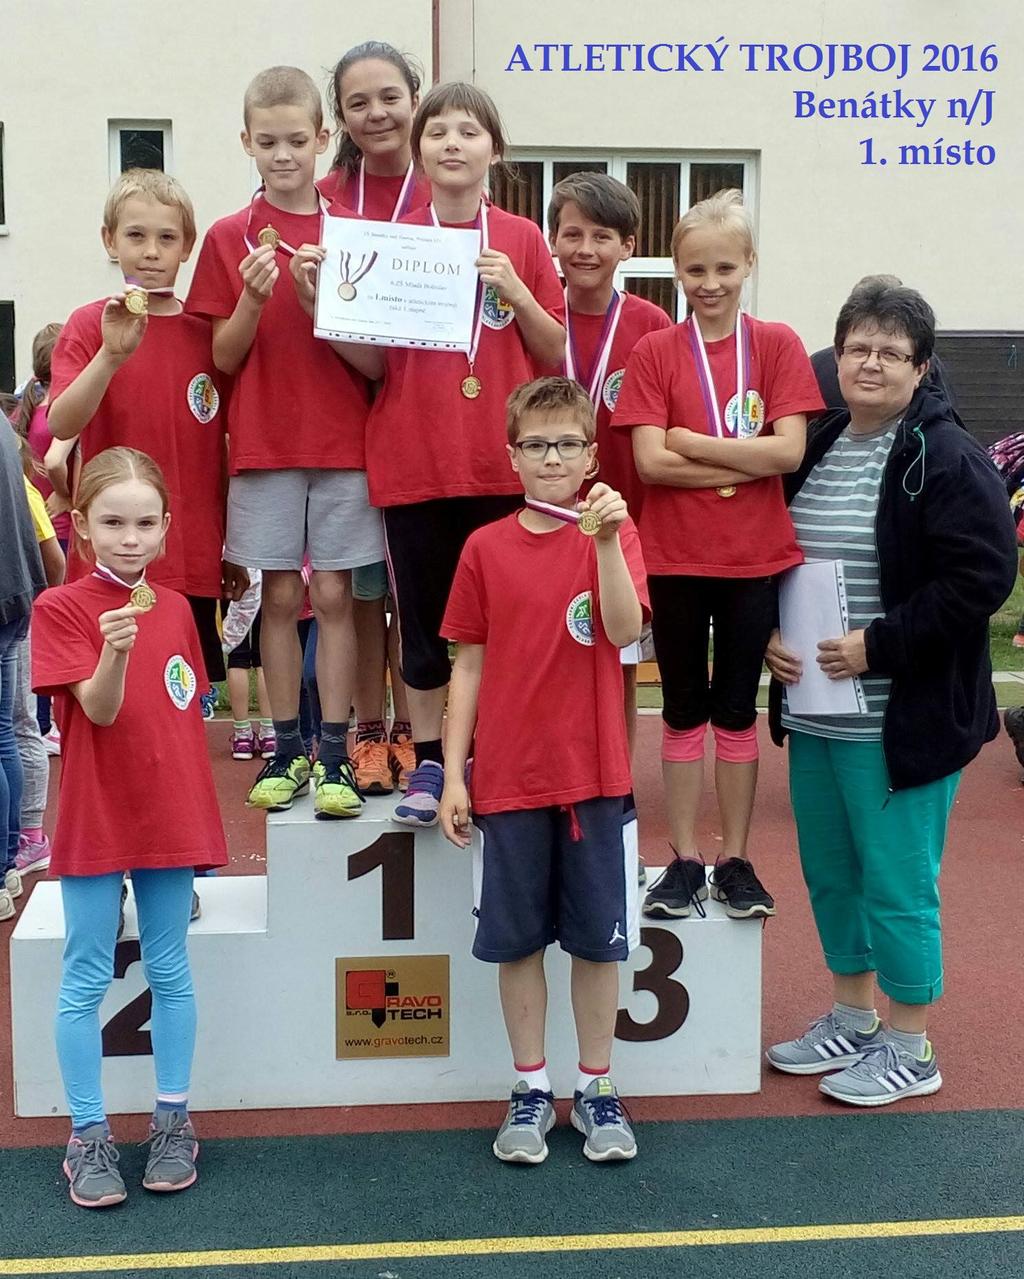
(681, 886)
(1013, 722)
(734, 884)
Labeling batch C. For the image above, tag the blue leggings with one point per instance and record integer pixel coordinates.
(163, 899)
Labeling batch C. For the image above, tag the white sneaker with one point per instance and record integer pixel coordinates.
(51, 741)
(12, 882)
(6, 905)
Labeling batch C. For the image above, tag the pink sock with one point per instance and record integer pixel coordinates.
(735, 748)
(34, 834)
(683, 747)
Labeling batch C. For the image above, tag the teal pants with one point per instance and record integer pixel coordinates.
(871, 863)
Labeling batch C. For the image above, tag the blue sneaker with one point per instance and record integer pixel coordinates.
(419, 805)
(208, 701)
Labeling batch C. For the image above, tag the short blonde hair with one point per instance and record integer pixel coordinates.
(158, 186)
(550, 395)
(284, 87)
(724, 210)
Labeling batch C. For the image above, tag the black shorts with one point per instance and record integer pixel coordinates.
(423, 542)
(204, 611)
(246, 656)
(534, 884)
(682, 610)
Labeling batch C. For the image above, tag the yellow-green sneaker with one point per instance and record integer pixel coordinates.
(279, 782)
(335, 793)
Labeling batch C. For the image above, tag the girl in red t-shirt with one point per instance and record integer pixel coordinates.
(435, 445)
(121, 657)
(718, 411)
(374, 94)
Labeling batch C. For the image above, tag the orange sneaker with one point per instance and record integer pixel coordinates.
(402, 757)
(372, 766)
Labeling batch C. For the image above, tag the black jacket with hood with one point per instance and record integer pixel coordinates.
(947, 559)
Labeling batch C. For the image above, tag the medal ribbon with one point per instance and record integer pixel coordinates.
(283, 245)
(556, 512)
(478, 320)
(404, 195)
(716, 424)
(108, 575)
(132, 283)
(602, 353)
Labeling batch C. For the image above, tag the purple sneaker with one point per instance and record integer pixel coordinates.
(243, 744)
(32, 855)
(419, 805)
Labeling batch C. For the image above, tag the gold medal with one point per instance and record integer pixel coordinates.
(471, 386)
(136, 301)
(589, 523)
(727, 490)
(143, 597)
(346, 291)
(269, 236)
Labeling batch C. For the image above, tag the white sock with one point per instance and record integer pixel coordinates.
(911, 1043)
(862, 1019)
(536, 1077)
(586, 1077)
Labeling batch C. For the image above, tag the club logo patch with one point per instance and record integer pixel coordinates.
(579, 619)
(203, 398)
(612, 387)
(753, 416)
(180, 681)
(498, 314)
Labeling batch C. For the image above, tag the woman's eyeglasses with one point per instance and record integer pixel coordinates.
(888, 358)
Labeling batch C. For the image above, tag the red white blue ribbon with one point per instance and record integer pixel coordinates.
(599, 366)
(404, 195)
(478, 322)
(716, 425)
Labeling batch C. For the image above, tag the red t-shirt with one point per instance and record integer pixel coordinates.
(138, 793)
(615, 448)
(695, 531)
(424, 439)
(294, 401)
(166, 400)
(550, 727)
(380, 193)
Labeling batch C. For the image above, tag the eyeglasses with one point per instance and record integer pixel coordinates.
(887, 357)
(568, 449)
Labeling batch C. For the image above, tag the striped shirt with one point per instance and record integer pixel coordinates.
(834, 517)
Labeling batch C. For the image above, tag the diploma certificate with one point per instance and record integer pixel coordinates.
(397, 285)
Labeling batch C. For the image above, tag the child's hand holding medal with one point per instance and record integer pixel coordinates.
(123, 326)
(259, 272)
(602, 514)
(119, 627)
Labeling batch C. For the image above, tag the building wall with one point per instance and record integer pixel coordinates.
(824, 219)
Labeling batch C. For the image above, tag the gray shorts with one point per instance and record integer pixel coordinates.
(274, 515)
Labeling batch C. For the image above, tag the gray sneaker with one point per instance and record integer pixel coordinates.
(825, 1045)
(531, 1116)
(90, 1166)
(883, 1075)
(600, 1116)
(172, 1152)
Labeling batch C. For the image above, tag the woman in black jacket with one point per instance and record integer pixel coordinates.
(911, 505)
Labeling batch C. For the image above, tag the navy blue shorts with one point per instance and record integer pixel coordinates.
(535, 884)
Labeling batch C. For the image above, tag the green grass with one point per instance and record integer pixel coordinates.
(1004, 626)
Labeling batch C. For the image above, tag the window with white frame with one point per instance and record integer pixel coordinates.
(139, 144)
(665, 185)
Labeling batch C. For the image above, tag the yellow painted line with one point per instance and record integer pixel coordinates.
(511, 1244)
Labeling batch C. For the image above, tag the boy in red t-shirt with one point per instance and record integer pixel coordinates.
(135, 370)
(593, 222)
(296, 427)
(539, 612)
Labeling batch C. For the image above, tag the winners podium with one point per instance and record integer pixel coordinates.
(344, 977)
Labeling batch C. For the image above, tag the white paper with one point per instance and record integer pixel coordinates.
(812, 608)
(397, 285)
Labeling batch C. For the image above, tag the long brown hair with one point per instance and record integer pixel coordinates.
(348, 155)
